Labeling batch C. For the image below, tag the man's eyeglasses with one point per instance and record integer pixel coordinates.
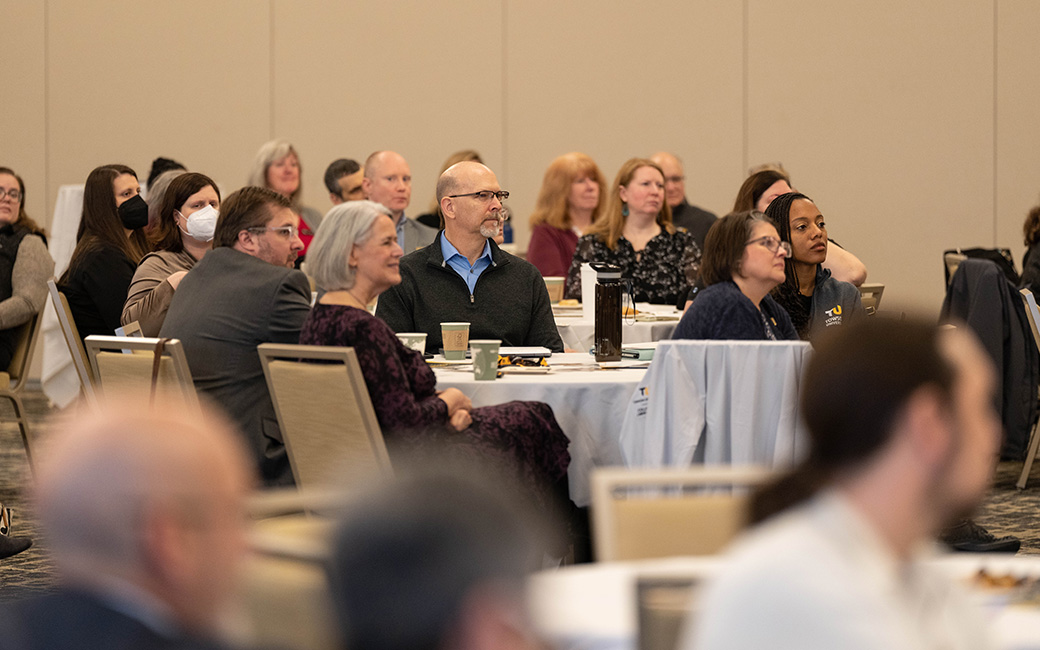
(483, 195)
(16, 196)
(287, 232)
(771, 244)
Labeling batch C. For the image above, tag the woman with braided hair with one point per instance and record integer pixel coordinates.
(813, 299)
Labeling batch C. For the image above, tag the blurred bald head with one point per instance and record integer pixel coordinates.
(151, 497)
(674, 177)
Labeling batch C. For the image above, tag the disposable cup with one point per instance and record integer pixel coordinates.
(554, 284)
(485, 359)
(414, 341)
(455, 337)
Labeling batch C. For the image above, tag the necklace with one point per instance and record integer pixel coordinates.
(344, 296)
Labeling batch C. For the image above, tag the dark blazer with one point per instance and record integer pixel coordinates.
(981, 296)
(76, 620)
(228, 304)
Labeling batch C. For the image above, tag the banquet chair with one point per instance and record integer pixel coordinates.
(325, 414)
(13, 380)
(125, 364)
(73, 341)
(1033, 316)
(649, 513)
(870, 295)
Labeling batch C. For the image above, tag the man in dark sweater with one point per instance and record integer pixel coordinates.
(684, 215)
(464, 276)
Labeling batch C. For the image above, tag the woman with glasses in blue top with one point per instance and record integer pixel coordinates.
(743, 261)
(812, 297)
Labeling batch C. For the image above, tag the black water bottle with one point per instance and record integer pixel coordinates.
(607, 341)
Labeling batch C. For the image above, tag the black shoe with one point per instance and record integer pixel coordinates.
(13, 545)
(970, 537)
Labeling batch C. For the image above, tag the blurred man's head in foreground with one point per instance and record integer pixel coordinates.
(140, 498)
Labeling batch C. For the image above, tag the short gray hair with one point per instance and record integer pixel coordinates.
(269, 153)
(343, 226)
(156, 192)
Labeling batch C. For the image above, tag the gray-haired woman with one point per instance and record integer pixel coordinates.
(354, 257)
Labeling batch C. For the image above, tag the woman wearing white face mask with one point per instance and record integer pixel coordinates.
(182, 237)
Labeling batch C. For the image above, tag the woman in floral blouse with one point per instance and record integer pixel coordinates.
(636, 234)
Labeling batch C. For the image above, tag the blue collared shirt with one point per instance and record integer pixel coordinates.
(400, 232)
(458, 262)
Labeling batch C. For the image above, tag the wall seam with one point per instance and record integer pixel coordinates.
(996, 133)
(746, 82)
(271, 76)
(47, 107)
(505, 91)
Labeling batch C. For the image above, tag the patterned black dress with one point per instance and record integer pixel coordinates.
(522, 438)
(661, 273)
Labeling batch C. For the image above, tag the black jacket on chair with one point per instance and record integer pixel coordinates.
(981, 296)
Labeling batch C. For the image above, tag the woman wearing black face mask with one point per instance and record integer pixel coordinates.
(109, 244)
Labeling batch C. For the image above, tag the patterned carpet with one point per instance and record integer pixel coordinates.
(1007, 511)
(31, 571)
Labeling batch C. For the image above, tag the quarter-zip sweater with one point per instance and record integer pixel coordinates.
(509, 301)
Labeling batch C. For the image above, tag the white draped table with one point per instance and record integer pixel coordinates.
(653, 323)
(58, 377)
(594, 606)
(718, 402)
(589, 405)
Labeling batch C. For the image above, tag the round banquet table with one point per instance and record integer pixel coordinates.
(599, 606)
(589, 403)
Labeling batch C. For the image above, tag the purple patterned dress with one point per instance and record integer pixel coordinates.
(523, 436)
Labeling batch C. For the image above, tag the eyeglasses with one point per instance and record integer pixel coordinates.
(483, 195)
(16, 196)
(287, 232)
(674, 179)
(771, 244)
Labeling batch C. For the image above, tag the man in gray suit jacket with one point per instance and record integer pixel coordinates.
(388, 180)
(243, 293)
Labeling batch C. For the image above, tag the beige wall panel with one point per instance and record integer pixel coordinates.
(22, 109)
(130, 81)
(353, 78)
(883, 113)
(618, 80)
(1018, 125)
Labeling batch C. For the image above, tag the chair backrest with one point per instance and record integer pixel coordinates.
(28, 334)
(72, 339)
(125, 364)
(1033, 314)
(870, 295)
(325, 414)
(952, 261)
(648, 513)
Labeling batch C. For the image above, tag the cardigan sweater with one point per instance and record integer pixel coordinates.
(722, 311)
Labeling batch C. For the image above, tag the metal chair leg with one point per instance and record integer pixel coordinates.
(1034, 442)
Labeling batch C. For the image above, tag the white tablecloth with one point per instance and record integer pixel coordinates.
(718, 402)
(58, 377)
(577, 331)
(594, 605)
(589, 406)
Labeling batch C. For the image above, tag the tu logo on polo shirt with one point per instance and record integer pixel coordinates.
(833, 316)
